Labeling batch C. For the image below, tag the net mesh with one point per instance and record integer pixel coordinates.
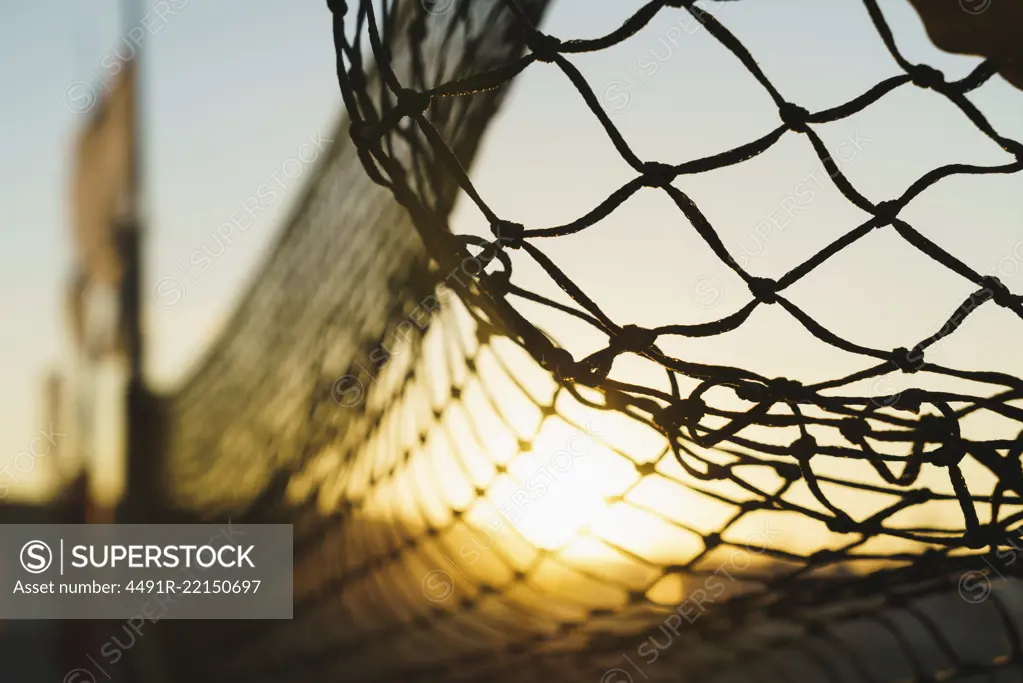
(472, 501)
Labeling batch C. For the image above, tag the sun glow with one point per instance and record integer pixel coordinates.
(519, 485)
(563, 484)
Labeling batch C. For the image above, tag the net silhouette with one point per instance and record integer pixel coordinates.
(380, 389)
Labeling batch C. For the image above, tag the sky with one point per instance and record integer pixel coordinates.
(233, 91)
(236, 91)
(675, 94)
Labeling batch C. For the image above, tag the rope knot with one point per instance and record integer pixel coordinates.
(561, 364)
(794, 117)
(782, 389)
(754, 392)
(949, 455)
(646, 469)
(788, 471)
(508, 233)
(673, 416)
(886, 212)
(764, 290)
(926, 77)
(634, 338)
(843, 525)
(412, 102)
(361, 133)
(917, 496)
(804, 448)
(823, 556)
(499, 282)
(656, 174)
(984, 535)
(544, 47)
(908, 360)
(908, 400)
(999, 292)
(854, 430)
(934, 429)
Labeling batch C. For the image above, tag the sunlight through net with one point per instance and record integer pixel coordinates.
(476, 500)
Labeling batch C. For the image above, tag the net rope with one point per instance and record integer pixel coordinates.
(682, 418)
(378, 389)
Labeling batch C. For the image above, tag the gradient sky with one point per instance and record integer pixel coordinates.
(233, 90)
(236, 88)
(676, 94)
